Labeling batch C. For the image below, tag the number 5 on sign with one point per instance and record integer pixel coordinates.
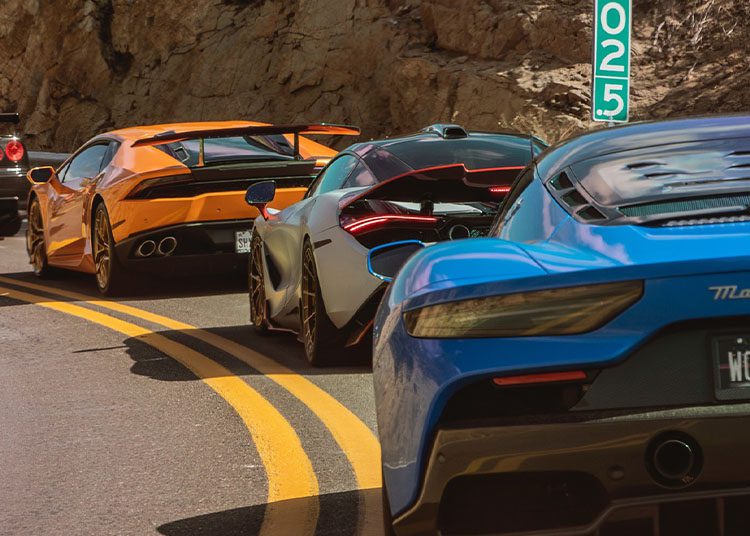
(611, 84)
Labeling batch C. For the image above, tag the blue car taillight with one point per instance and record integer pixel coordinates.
(561, 311)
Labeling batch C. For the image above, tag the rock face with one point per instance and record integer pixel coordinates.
(74, 68)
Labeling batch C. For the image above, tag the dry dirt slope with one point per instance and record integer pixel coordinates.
(77, 67)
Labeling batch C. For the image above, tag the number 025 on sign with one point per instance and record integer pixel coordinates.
(611, 85)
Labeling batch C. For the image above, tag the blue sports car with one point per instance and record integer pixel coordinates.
(586, 368)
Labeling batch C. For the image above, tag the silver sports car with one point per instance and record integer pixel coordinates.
(308, 264)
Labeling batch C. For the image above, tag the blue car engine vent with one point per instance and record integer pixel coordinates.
(568, 195)
(736, 202)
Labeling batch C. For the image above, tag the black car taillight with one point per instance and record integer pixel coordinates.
(15, 151)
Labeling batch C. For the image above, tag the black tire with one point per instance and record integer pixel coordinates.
(320, 337)
(387, 516)
(36, 245)
(257, 289)
(111, 278)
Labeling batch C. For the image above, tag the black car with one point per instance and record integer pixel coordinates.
(14, 188)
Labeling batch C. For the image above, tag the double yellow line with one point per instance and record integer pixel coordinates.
(288, 468)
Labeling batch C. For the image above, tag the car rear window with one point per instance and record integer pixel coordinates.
(234, 149)
(384, 165)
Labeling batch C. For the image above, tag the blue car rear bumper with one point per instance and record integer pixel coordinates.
(591, 475)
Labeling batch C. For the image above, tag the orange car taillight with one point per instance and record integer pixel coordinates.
(15, 151)
(146, 188)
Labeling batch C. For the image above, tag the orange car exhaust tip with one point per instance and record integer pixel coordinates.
(146, 249)
(167, 246)
(531, 379)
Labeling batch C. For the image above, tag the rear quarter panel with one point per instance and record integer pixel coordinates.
(341, 264)
(282, 236)
(409, 373)
(534, 216)
(345, 282)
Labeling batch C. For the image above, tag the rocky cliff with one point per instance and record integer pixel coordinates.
(77, 67)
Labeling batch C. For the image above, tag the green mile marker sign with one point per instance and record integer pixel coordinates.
(611, 84)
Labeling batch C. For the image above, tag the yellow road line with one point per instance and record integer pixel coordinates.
(288, 468)
(356, 440)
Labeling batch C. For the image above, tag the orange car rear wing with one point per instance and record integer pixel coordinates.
(259, 130)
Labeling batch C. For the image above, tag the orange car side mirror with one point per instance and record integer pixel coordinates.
(40, 175)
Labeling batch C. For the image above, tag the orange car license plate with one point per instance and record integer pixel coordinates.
(242, 241)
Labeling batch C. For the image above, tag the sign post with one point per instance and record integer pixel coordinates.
(610, 90)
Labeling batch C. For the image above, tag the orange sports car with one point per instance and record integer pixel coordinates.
(166, 199)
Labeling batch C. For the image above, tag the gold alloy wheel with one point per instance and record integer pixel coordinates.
(102, 253)
(35, 238)
(309, 301)
(257, 286)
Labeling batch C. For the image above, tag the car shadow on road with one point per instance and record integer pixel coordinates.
(152, 288)
(284, 348)
(338, 516)
(280, 348)
(151, 363)
(5, 301)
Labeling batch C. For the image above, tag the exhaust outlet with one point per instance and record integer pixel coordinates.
(167, 245)
(674, 460)
(146, 249)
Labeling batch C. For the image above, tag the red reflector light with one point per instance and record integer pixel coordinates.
(576, 375)
(364, 224)
(499, 189)
(14, 150)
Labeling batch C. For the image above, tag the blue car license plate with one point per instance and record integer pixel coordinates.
(732, 367)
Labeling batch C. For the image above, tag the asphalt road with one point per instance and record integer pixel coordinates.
(165, 414)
